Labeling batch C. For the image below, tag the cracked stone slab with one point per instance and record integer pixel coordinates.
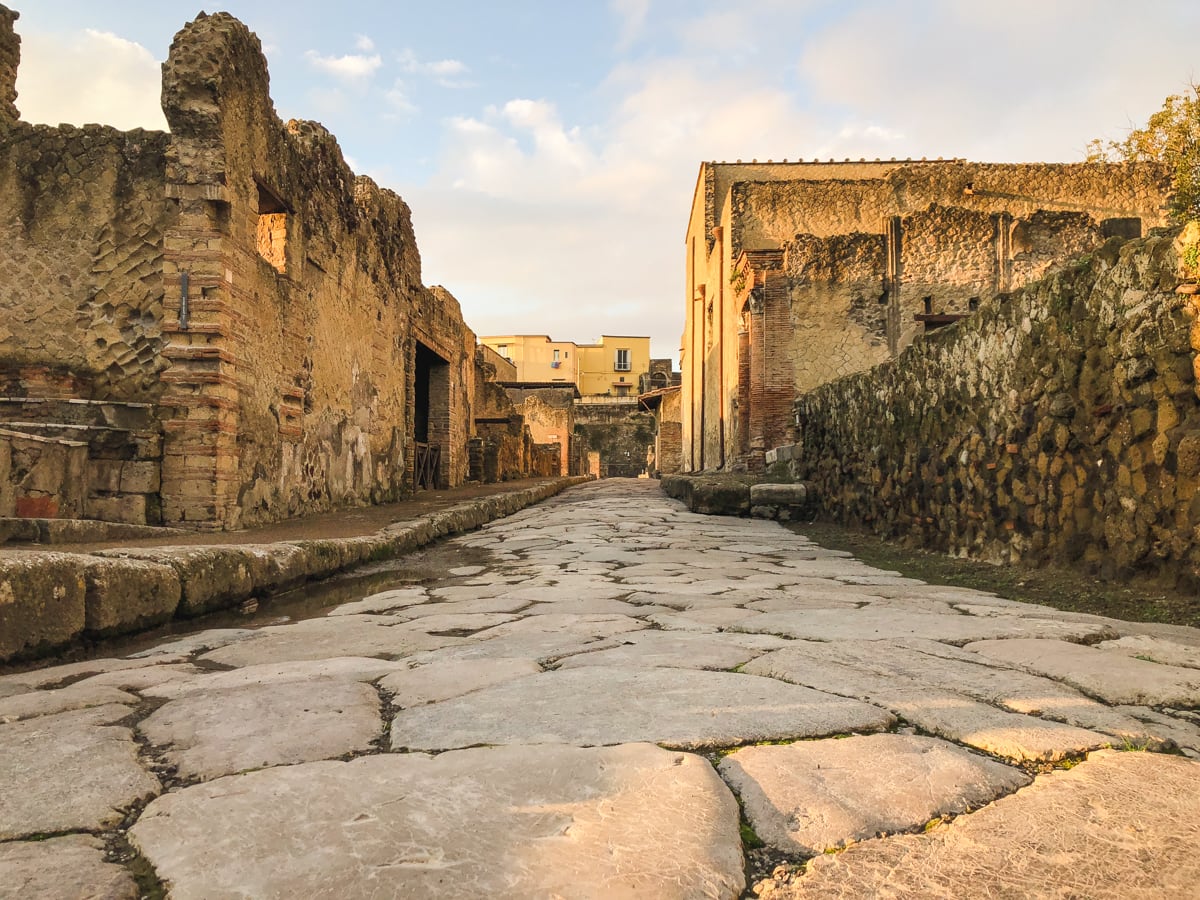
(541, 821)
(1108, 674)
(343, 668)
(74, 696)
(679, 650)
(595, 705)
(814, 796)
(194, 643)
(1118, 825)
(382, 602)
(543, 638)
(73, 866)
(56, 676)
(935, 694)
(1155, 649)
(443, 680)
(73, 771)
(874, 624)
(330, 636)
(207, 735)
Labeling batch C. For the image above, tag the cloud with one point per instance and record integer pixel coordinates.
(398, 100)
(88, 76)
(353, 67)
(445, 72)
(364, 44)
(632, 16)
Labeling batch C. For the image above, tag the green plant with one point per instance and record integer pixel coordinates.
(1171, 136)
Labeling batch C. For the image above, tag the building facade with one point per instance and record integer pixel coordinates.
(801, 273)
(216, 326)
(614, 366)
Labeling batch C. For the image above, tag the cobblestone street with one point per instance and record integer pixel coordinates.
(615, 697)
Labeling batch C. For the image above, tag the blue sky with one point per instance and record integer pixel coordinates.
(549, 150)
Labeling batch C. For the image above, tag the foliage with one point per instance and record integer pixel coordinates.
(1171, 136)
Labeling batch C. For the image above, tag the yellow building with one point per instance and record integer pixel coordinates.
(537, 358)
(612, 367)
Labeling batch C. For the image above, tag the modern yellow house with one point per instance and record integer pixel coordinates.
(537, 358)
(612, 367)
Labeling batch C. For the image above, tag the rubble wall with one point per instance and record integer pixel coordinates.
(1061, 425)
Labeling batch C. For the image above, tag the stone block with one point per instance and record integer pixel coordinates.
(104, 475)
(129, 509)
(779, 494)
(140, 477)
(126, 595)
(41, 602)
(210, 578)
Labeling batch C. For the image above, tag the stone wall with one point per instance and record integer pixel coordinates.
(10, 59)
(798, 274)
(238, 277)
(1061, 424)
(621, 433)
(82, 221)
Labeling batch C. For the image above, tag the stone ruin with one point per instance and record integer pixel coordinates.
(217, 326)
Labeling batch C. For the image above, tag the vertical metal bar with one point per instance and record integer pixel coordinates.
(183, 301)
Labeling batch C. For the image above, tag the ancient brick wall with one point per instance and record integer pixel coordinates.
(309, 347)
(236, 278)
(1061, 424)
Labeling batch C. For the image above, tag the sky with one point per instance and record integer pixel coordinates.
(549, 150)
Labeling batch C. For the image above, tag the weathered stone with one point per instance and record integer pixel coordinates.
(210, 578)
(939, 695)
(320, 638)
(1108, 674)
(341, 668)
(42, 601)
(443, 680)
(69, 772)
(813, 796)
(591, 706)
(1156, 649)
(795, 495)
(209, 639)
(1139, 808)
(543, 638)
(213, 733)
(633, 821)
(74, 696)
(72, 866)
(382, 602)
(128, 595)
(671, 649)
(887, 624)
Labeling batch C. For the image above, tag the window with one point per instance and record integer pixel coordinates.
(272, 229)
(502, 349)
(556, 356)
(622, 363)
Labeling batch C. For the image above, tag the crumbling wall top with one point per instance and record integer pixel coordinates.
(10, 59)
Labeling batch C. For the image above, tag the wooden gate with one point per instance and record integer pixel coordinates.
(427, 461)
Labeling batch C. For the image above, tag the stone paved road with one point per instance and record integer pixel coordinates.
(608, 708)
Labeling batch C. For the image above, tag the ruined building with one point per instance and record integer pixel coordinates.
(801, 273)
(217, 326)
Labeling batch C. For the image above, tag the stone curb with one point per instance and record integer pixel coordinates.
(739, 495)
(49, 599)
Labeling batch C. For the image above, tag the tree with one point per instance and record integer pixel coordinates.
(1171, 137)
